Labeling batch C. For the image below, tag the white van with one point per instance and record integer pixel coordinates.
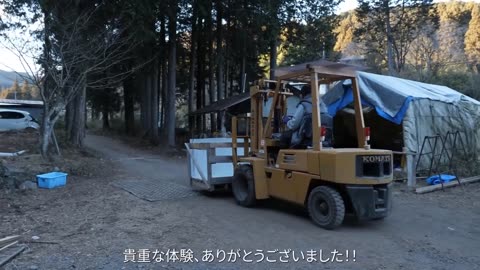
(16, 120)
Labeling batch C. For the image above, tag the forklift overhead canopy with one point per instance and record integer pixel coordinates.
(328, 70)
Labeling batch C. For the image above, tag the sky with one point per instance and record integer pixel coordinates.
(9, 61)
(347, 5)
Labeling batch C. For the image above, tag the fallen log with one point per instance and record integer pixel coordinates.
(431, 188)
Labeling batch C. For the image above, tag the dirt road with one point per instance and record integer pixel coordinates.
(94, 223)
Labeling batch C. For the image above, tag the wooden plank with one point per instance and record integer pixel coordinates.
(9, 245)
(221, 180)
(211, 145)
(447, 185)
(12, 254)
(7, 240)
(220, 159)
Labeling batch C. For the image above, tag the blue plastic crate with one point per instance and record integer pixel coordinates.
(52, 180)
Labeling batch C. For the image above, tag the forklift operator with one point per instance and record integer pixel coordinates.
(292, 137)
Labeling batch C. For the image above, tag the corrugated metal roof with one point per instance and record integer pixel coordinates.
(223, 104)
(281, 71)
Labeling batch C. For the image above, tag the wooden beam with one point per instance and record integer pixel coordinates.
(14, 253)
(199, 146)
(333, 72)
(447, 185)
(293, 75)
(315, 112)
(220, 159)
(359, 122)
(234, 141)
(9, 245)
(7, 240)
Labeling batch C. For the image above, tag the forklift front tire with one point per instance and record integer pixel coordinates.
(326, 207)
(243, 186)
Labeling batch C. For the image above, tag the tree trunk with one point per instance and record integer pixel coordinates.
(46, 131)
(147, 90)
(129, 101)
(164, 55)
(143, 100)
(105, 118)
(211, 64)
(220, 53)
(193, 62)
(77, 134)
(390, 59)
(46, 127)
(164, 90)
(154, 108)
(172, 66)
(273, 57)
(201, 91)
(220, 64)
(227, 86)
(69, 113)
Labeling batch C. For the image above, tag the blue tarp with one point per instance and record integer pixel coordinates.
(390, 96)
(347, 99)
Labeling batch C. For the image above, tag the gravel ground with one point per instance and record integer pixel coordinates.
(90, 224)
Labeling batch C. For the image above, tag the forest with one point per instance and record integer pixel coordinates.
(24, 91)
(152, 63)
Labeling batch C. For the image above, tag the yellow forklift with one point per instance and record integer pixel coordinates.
(329, 182)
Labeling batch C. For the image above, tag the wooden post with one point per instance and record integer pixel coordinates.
(234, 141)
(316, 125)
(411, 173)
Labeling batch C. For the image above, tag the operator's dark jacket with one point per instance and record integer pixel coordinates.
(304, 107)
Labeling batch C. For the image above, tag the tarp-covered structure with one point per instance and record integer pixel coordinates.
(413, 108)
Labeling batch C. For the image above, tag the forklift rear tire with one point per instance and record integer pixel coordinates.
(243, 186)
(326, 207)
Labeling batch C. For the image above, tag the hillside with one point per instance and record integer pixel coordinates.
(440, 49)
(7, 78)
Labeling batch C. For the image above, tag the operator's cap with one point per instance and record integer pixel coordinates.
(306, 89)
